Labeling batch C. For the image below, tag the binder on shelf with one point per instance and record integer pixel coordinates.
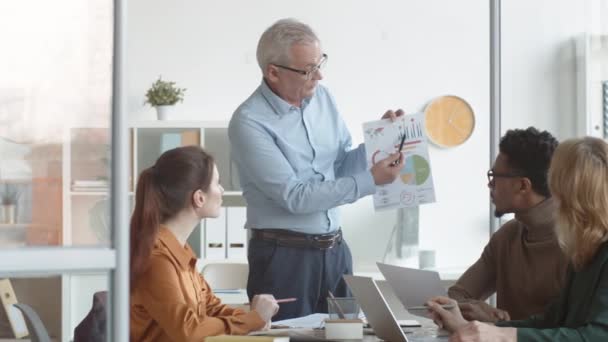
(215, 236)
(191, 137)
(236, 232)
(170, 141)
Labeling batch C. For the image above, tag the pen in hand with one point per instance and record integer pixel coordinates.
(286, 300)
(399, 151)
(426, 307)
(282, 300)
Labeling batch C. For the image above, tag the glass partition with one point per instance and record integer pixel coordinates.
(55, 157)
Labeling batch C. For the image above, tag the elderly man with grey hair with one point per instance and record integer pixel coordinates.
(296, 165)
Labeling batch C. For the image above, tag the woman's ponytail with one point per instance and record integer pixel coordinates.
(145, 223)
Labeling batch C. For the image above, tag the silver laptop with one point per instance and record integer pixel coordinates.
(378, 313)
(394, 303)
(412, 286)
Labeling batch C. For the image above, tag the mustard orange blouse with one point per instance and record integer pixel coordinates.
(172, 301)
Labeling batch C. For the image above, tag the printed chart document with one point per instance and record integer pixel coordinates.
(414, 186)
(313, 321)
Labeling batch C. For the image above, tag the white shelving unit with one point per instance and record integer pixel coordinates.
(213, 136)
(83, 151)
(82, 161)
(591, 71)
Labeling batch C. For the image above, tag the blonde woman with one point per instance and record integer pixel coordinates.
(578, 180)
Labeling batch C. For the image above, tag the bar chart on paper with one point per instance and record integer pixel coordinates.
(414, 185)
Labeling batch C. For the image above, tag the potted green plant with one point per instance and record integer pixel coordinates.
(10, 197)
(163, 95)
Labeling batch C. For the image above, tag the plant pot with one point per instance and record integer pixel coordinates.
(9, 213)
(164, 112)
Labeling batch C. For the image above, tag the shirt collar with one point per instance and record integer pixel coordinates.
(280, 106)
(183, 254)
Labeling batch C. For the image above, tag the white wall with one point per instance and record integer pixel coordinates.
(539, 63)
(382, 54)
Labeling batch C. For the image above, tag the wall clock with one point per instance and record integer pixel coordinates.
(450, 121)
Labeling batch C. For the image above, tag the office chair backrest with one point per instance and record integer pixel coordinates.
(38, 332)
(93, 327)
(224, 275)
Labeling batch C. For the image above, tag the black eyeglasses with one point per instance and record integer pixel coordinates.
(307, 74)
(491, 175)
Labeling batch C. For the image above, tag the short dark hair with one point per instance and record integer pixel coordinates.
(529, 151)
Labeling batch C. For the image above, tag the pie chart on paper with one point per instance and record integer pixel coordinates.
(416, 170)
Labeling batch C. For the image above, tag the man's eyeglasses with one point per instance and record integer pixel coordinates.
(307, 74)
(491, 175)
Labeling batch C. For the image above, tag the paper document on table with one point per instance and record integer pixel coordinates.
(313, 321)
(414, 185)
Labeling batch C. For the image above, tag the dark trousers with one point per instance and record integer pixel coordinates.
(304, 273)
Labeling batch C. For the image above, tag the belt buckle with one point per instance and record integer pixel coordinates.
(324, 242)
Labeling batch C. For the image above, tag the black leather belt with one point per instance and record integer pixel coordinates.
(288, 238)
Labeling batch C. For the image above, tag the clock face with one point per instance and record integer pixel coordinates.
(449, 121)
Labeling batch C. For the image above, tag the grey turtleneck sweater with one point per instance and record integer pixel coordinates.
(522, 263)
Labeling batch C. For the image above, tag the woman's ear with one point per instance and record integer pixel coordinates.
(198, 199)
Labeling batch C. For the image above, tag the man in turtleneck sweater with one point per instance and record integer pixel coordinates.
(522, 263)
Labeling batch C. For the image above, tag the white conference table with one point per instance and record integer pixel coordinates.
(423, 334)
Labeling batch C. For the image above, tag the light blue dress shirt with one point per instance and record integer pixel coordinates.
(296, 165)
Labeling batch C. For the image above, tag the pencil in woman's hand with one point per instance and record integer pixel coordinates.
(286, 300)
